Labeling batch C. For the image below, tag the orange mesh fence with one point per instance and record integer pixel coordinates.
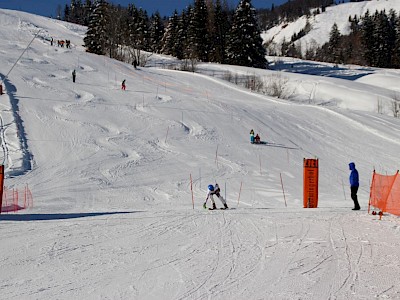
(385, 193)
(16, 199)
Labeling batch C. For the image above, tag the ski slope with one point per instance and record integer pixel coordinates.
(110, 172)
(321, 24)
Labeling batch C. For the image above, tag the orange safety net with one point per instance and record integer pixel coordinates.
(15, 200)
(385, 193)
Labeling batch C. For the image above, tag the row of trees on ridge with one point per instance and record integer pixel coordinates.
(206, 31)
(210, 31)
(374, 40)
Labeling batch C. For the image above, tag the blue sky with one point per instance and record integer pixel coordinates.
(165, 7)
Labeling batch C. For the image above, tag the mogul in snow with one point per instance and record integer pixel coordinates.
(214, 191)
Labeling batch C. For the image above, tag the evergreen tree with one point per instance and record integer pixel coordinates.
(87, 11)
(116, 36)
(138, 32)
(396, 47)
(78, 13)
(367, 29)
(219, 33)
(211, 29)
(143, 31)
(170, 35)
(66, 13)
(334, 49)
(96, 39)
(284, 47)
(181, 35)
(393, 20)
(133, 24)
(156, 32)
(197, 38)
(73, 12)
(383, 44)
(245, 43)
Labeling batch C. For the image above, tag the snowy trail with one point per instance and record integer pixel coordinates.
(214, 254)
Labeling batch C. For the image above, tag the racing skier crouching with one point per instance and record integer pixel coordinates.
(214, 191)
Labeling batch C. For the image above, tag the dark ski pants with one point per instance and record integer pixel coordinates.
(354, 190)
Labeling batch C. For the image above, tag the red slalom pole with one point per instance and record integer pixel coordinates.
(283, 190)
(191, 188)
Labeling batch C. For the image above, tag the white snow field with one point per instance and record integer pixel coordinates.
(110, 170)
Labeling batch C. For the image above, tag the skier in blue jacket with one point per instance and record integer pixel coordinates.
(354, 184)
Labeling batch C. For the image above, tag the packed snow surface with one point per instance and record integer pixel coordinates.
(118, 177)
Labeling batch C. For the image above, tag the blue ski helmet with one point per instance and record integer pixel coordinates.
(210, 187)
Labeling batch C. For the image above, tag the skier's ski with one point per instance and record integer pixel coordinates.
(221, 208)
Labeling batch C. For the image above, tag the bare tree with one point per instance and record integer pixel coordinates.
(396, 105)
(275, 86)
(189, 64)
(379, 106)
(59, 12)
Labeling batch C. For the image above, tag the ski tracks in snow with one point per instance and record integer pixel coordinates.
(233, 254)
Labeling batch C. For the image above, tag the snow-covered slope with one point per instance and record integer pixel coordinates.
(321, 24)
(112, 174)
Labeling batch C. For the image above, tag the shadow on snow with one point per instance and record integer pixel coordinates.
(48, 217)
(311, 68)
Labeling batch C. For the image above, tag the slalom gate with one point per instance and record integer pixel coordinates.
(385, 193)
(16, 199)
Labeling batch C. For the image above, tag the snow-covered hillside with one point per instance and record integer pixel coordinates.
(321, 24)
(112, 174)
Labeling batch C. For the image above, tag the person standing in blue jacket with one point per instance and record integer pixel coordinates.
(252, 136)
(354, 184)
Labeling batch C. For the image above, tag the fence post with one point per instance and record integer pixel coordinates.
(283, 190)
(239, 193)
(191, 189)
(15, 200)
(370, 191)
(1, 185)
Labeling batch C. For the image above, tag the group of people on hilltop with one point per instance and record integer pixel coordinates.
(61, 43)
